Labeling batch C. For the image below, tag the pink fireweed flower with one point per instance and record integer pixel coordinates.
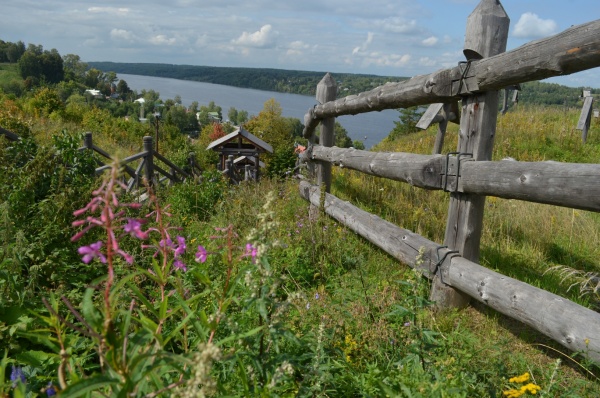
(134, 228)
(92, 251)
(181, 246)
(201, 254)
(251, 251)
(179, 265)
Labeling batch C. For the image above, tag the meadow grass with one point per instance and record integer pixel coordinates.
(364, 321)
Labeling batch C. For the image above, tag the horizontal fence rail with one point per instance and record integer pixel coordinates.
(9, 134)
(575, 185)
(573, 326)
(574, 50)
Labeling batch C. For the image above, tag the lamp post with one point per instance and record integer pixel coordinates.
(156, 120)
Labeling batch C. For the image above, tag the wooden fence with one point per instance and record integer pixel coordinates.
(147, 168)
(468, 175)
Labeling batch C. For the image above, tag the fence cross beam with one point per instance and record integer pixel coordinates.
(573, 50)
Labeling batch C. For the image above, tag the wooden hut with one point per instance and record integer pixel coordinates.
(240, 143)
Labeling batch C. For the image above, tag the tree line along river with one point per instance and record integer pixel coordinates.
(369, 127)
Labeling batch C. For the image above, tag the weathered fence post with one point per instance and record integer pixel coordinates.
(88, 143)
(326, 91)
(586, 115)
(487, 33)
(229, 168)
(247, 172)
(149, 160)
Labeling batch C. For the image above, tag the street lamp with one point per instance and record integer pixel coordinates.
(156, 120)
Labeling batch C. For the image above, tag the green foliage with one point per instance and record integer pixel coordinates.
(41, 65)
(409, 117)
(198, 200)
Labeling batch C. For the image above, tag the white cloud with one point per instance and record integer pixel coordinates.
(530, 26)
(428, 62)
(263, 38)
(363, 47)
(386, 60)
(397, 25)
(109, 10)
(430, 41)
(202, 41)
(122, 34)
(162, 40)
(297, 48)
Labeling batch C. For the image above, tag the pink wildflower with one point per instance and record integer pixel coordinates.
(201, 254)
(179, 265)
(92, 251)
(134, 228)
(251, 251)
(181, 246)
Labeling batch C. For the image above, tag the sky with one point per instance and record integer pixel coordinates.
(383, 37)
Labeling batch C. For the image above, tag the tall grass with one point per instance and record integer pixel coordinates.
(359, 323)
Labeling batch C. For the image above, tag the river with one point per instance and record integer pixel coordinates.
(370, 128)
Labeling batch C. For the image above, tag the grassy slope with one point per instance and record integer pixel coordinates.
(358, 285)
(8, 72)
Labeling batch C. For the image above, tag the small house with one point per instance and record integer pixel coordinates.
(241, 143)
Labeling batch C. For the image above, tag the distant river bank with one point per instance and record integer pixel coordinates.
(371, 127)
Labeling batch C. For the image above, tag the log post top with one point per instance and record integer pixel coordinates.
(488, 20)
(326, 89)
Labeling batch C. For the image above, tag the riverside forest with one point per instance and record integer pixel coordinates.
(214, 289)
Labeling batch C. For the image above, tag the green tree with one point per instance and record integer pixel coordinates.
(342, 140)
(15, 51)
(296, 127)
(204, 113)
(276, 130)
(29, 66)
(92, 77)
(123, 89)
(74, 68)
(52, 66)
(409, 117)
(358, 144)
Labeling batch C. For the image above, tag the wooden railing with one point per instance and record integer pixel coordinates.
(9, 134)
(468, 174)
(147, 169)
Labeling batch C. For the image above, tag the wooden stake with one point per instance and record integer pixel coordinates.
(487, 33)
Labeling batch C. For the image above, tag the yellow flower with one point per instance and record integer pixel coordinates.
(512, 393)
(532, 388)
(520, 379)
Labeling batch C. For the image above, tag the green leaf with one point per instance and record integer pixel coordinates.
(140, 296)
(164, 306)
(199, 326)
(158, 271)
(240, 336)
(88, 385)
(175, 331)
(117, 289)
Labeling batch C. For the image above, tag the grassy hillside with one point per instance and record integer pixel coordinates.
(253, 297)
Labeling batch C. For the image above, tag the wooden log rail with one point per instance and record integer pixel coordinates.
(575, 185)
(573, 326)
(574, 50)
(9, 134)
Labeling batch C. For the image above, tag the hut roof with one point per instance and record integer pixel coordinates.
(251, 138)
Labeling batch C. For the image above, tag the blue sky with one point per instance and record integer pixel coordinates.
(382, 37)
